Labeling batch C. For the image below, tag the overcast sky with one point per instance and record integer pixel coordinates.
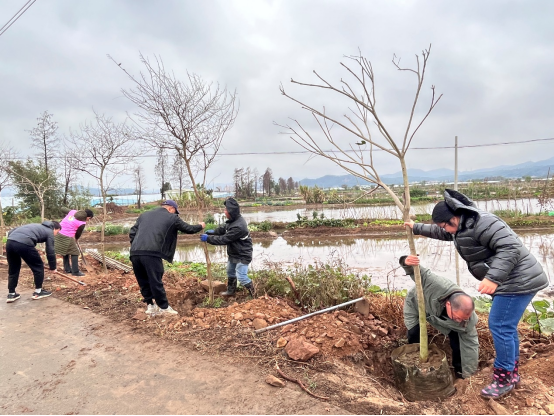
(492, 60)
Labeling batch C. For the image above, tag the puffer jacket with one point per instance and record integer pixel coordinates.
(32, 234)
(490, 248)
(234, 234)
(155, 234)
(437, 290)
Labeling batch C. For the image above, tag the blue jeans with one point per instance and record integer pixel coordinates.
(240, 271)
(506, 311)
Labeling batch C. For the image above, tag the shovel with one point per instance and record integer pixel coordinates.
(83, 257)
(70, 278)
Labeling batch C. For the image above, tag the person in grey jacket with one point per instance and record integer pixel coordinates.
(21, 245)
(235, 235)
(507, 271)
(449, 310)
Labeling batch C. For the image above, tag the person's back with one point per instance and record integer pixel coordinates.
(32, 234)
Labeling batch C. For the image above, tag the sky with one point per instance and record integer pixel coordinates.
(492, 61)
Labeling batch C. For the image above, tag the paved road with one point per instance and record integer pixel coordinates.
(58, 358)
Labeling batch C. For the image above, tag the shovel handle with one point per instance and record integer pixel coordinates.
(70, 278)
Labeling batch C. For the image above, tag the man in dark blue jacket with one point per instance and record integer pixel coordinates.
(21, 245)
(235, 235)
(153, 238)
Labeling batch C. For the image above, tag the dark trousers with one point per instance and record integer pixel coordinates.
(413, 338)
(15, 252)
(149, 271)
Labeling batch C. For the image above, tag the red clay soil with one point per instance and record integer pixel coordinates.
(352, 368)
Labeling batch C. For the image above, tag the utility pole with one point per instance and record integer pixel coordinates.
(456, 188)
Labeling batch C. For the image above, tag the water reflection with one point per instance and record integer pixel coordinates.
(377, 257)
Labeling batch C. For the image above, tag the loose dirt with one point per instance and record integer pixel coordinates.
(352, 366)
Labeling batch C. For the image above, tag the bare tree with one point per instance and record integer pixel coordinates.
(7, 154)
(189, 118)
(356, 156)
(179, 173)
(32, 179)
(44, 138)
(268, 181)
(162, 165)
(109, 152)
(140, 179)
(68, 172)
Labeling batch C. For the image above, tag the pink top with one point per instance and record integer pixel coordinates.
(70, 224)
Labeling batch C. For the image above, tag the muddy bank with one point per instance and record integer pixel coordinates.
(351, 366)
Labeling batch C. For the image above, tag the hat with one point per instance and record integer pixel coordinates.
(171, 203)
(441, 213)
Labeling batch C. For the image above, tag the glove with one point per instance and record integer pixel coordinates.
(204, 237)
(210, 232)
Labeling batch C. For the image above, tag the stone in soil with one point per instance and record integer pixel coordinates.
(274, 381)
(300, 350)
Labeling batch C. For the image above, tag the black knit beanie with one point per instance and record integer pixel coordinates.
(441, 213)
(89, 212)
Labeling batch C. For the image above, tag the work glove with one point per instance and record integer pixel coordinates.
(210, 231)
(204, 237)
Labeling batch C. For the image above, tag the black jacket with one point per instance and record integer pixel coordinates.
(32, 234)
(234, 234)
(490, 247)
(155, 234)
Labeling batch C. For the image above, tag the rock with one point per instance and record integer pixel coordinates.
(281, 342)
(382, 332)
(217, 285)
(200, 315)
(273, 234)
(270, 319)
(549, 409)
(274, 381)
(370, 317)
(239, 316)
(259, 315)
(362, 307)
(299, 350)
(388, 405)
(319, 340)
(356, 330)
(340, 343)
(498, 408)
(529, 402)
(542, 412)
(140, 315)
(259, 323)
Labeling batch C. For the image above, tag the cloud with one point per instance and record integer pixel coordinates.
(491, 60)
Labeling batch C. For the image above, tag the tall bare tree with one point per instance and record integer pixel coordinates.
(353, 151)
(7, 154)
(161, 169)
(67, 171)
(190, 118)
(140, 179)
(110, 151)
(179, 173)
(45, 138)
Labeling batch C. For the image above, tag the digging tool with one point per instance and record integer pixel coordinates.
(350, 302)
(70, 278)
(82, 256)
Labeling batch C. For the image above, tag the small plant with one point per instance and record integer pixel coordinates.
(217, 303)
(542, 319)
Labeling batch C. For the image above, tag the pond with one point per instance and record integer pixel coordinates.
(377, 257)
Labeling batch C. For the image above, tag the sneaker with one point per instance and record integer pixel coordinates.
(12, 297)
(152, 310)
(42, 294)
(168, 311)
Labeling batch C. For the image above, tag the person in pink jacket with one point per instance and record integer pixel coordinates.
(65, 243)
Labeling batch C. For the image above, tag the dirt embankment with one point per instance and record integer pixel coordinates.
(351, 366)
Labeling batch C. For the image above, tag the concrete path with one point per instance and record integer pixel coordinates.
(59, 358)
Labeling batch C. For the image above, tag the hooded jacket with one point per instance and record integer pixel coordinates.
(234, 234)
(32, 234)
(155, 234)
(490, 248)
(437, 290)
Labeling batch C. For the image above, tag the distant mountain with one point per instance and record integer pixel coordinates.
(533, 169)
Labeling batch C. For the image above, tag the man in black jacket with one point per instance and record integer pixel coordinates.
(21, 245)
(153, 238)
(235, 235)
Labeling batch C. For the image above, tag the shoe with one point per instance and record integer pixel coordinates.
(231, 287)
(500, 386)
(79, 273)
(168, 311)
(251, 290)
(152, 310)
(12, 297)
(42, 294)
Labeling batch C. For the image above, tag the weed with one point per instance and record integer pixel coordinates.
(217, 303)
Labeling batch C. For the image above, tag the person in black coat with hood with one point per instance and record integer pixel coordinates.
(21, 246)
(235, 235)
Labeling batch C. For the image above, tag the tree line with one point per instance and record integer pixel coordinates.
(248, 183)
